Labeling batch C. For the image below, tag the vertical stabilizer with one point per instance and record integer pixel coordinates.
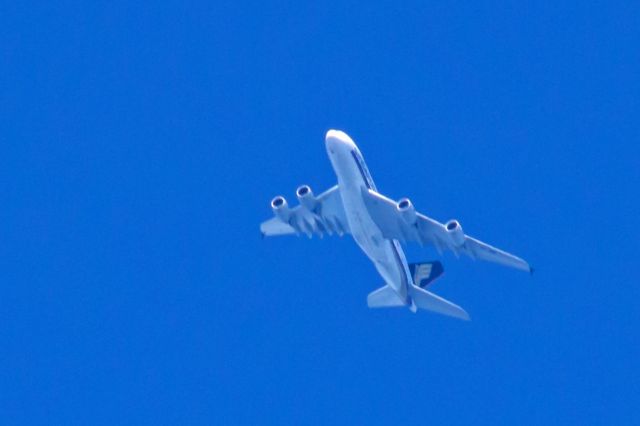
(425, 273)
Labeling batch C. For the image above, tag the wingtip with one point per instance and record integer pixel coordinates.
(531, 270)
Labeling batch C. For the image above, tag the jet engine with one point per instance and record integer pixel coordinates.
(280, 208)
(306, 197)
(407, 211)
(454, 229)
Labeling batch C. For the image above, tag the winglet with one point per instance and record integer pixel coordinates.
(531, 270)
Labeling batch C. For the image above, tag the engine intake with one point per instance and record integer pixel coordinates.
(306, 197)
(280, 208)
(456, 235)
(407, 211)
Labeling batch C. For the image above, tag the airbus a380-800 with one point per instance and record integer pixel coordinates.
(377, 224)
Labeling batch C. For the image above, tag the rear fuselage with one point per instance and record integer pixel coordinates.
(354, 178)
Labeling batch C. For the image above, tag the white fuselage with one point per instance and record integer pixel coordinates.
(354, 178)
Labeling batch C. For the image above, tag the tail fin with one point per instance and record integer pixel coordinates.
(431, 302)
(384, 297)
(425, 273)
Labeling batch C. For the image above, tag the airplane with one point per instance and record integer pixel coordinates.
(378, 224)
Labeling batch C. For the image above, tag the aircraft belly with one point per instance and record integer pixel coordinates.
(369, 237)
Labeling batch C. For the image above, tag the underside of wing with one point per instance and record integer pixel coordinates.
(275, 226)
(404, 225)
(319, 215)
(479, 250)
(400, 221)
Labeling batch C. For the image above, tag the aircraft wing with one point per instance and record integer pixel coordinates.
(325, 216)
(404, 226)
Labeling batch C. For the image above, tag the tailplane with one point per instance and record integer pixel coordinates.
(431, 302)
(384, 297)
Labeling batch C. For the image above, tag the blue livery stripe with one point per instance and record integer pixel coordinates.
(363, 170)
(425, 273)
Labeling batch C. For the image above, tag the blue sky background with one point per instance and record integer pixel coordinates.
(142, 143)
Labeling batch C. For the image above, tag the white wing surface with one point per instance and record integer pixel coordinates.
(408, 225)
(324, 214)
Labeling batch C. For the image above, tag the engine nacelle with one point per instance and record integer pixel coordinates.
(454, 229)
(281, 208)
(306, 197)
(407, 211)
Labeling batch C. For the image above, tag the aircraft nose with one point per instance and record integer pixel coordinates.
(336, 139)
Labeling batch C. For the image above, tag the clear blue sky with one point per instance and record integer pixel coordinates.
(142, 143)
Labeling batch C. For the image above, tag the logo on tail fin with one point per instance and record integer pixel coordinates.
(425, 273)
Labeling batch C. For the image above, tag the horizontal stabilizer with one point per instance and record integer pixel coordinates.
(431, 302)
(384, 297)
